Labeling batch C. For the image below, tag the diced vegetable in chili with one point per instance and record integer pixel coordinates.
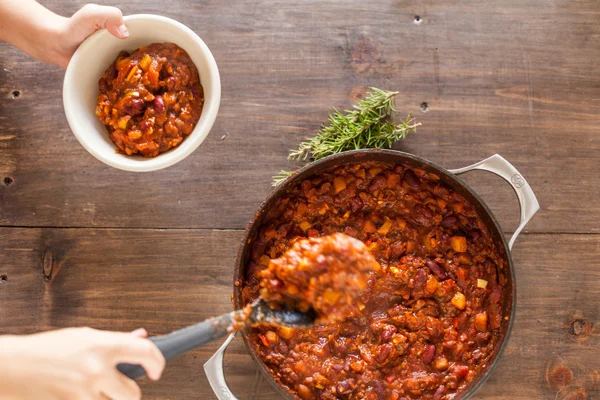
(385, 228)
(459, 244)
(459, 301)
(481, 322)
(339, 184)
(150, 100)
(424, 328)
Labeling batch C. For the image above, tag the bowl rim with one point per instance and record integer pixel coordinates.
(173, 156)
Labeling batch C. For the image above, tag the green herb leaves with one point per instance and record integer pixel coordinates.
(370, 124)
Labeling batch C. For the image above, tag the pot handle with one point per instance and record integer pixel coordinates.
(527, 200)
(214, 372)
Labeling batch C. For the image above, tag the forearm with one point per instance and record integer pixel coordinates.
(28, 25)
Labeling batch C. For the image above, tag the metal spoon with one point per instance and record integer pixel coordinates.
(186, 339)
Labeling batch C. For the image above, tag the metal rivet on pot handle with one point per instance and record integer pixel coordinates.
(215, 374)
(527, 200)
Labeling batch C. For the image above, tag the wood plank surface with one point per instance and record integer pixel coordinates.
(513, 77)
(122, 250)
(163, 280)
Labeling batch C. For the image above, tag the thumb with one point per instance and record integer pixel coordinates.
(140, 333)
(93, 17)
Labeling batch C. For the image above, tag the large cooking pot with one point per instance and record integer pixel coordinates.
(496, 164)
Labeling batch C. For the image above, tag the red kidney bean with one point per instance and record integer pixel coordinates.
(428, 354)
(346, 386)
(102, 85)
(377, 183)
(388, 332)
(475, 234)
(423, 215)
(384, 352)
(420, 279)
(356, 204)
(426, 212)
(441, 390)
(337, 367)
(133, 106)
(436, 269)
(340, 346)
(145, 125)
(449, 221)
(412, 179)
(397, 249)
(159, 104)
(482, 338)
(197, 91)
(379, 389)
(398, 169)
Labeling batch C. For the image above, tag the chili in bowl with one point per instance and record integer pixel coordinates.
(146, 102)
(150, 100)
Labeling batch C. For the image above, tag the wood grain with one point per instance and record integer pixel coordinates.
(515, 78)
(163, 280)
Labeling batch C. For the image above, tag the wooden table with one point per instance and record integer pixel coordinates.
(85, 244)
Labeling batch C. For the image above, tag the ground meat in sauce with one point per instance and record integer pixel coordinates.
(150, 100)
(435, 314)
(333, 275)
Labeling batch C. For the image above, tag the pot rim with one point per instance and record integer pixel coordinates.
(350, 157)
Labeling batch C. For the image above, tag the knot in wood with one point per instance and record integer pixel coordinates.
(579, 327)
(47, 265)
(559, 376)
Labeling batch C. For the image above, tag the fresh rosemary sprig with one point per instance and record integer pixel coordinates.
(370, 124)
(280, 177)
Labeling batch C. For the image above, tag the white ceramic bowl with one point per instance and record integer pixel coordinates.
(96, 53)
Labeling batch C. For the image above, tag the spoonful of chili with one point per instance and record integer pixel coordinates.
(318, 280)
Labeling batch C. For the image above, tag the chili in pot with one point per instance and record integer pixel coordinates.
(434, 317)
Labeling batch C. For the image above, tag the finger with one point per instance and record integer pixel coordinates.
(140, 333)
(120, 387)
(93, 17)
(132, 350)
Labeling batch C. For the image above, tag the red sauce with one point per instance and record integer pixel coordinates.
(150, 100)
(434, 316)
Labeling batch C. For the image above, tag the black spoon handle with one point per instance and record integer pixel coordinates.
(182, 341)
